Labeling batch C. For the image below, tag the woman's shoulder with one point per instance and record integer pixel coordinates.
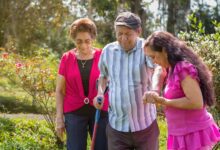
(70, 54)
(183, 65)
(184, 68)
(98, 51)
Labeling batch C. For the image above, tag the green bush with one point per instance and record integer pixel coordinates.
(29, 134)
(208, 47)
(21, 134)
(36, 75)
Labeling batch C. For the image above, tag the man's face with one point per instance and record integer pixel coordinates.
(127, 37)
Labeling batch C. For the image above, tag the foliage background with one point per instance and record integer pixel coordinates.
(34, 34)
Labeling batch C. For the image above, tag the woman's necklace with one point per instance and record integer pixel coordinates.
(83, 63)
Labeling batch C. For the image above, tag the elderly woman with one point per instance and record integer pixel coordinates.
(76, 89)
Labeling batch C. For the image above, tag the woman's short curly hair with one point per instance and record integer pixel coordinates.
(83, 25)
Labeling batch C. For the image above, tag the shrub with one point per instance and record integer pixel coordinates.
(22, 134)
(208, 47)
(30, 134)
(36, 76)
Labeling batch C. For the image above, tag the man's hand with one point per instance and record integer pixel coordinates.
(153, 97)
(98, 101)
(150, 97)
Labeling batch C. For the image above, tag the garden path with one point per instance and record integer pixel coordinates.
(20, 115)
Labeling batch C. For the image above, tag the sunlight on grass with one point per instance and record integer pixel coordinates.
(163, 133)
(14, 99)
(9, 89)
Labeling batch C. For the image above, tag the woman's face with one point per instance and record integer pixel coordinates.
(159, 58)
(83, 42)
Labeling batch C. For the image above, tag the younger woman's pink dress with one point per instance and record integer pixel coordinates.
(187, 129)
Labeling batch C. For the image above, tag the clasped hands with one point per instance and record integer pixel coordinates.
(153, 97)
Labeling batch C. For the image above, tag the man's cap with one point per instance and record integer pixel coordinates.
(128, 19)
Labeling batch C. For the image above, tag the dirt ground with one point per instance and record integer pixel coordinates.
(26, 116)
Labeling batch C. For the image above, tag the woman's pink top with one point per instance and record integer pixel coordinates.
(183, 121)
(74, 92)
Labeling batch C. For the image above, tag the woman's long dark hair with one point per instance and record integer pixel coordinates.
(178, 51)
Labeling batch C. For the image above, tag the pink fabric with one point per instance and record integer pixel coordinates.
(74, 94)
(187, 127)
(200, 140)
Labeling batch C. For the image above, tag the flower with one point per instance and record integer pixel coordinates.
(5, 55)
(18, 65)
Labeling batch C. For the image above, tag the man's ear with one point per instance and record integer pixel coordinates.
(139, 31)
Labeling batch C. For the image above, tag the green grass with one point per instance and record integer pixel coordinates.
(12, 105)
(24, 134)
(14, 99)
(163, 133)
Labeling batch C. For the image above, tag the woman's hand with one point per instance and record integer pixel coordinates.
(153, 97)
(60, 128)
(150, 96)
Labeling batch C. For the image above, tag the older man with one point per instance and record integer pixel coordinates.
(132, 124)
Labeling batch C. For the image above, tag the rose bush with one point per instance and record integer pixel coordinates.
(36, 75)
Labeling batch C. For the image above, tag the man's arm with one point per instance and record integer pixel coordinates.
(157, 82)
(102, 84)
(102, 81)
(158, 78)
(157, 75)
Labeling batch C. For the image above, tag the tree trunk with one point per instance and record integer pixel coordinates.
(90, 9)
(137, 9)
(4, 13)
(171, 21)
(177, 12)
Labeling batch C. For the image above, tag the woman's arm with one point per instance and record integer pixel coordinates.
(60, 92)
(193, 96)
